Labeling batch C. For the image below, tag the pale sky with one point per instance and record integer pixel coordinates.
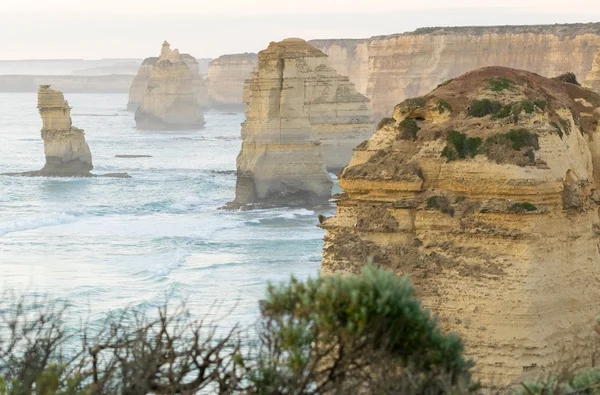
(50, 29)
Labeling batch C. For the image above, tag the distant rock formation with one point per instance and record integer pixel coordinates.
(170, 102)
(485, 192)
(67, 152)
(281, 161)
(391, 68)
(226, 76)
(139, 85)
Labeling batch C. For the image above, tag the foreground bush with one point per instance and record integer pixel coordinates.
(332, 335)
(359, 334)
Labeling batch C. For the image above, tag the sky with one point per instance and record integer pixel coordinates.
(82, 29)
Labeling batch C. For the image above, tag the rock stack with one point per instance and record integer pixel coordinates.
(139, 85)
(484, 191)
(170, 101)
(67, 153)
(281, 161)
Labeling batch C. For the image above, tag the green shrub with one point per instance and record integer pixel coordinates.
(408, 129)
(443, 105)
(498, 84)
(504, 112)
(581, 383)
(515, 139)
(527, 106)
(384, 122)
(558, 129)
(481, 108)
(354, 334)
(522, 207)
(459, 146)
(566, 125)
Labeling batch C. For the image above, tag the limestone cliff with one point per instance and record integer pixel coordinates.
(170, 102)
(484, 191)
(340, 117)
(139, 85)
(67, 153)
(593, 77)
(389, 69)
(225, 80)
(280, 162)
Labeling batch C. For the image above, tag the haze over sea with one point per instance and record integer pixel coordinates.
(104, 244)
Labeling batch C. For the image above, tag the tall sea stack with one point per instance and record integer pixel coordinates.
(170, 102)
(281, 161)
(484, 191)
(67, 153)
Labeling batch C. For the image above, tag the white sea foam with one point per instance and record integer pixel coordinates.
(187, 203)
(31, 223)
(296, 213)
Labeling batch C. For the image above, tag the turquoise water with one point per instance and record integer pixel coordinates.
(107, 244)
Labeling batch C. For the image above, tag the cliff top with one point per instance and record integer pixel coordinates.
(236, 56)
(561, 30)
(290, 48)
(495, 113)
(50, 98)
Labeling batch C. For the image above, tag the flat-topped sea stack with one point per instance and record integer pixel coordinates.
(484, 191)
(281, 161)
(225, 80)
(389, 69)
(170, 101)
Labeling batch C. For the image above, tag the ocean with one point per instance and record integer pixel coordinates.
(104, 245)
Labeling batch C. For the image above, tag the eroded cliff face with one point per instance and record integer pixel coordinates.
(139, 85)
(593, 77)
(484, 191)
(340, 117)
(226, 77)
(389, 69)
(280, 162)
(67, 153)
(170, 101)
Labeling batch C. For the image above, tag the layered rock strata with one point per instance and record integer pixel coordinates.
(391, 68)
(170, 102)
(67, 153)
(225, 80)
(280, 162)
(340, 117)
(593, 77)
(484, 191)
(139, 85)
